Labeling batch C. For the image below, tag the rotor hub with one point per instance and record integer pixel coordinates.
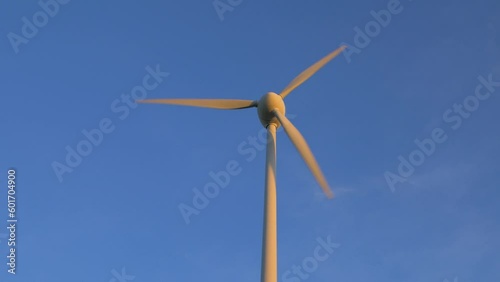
(265, 108)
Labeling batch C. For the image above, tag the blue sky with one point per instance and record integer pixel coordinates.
(118, 208)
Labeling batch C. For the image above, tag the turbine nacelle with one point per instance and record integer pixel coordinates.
(265, 107)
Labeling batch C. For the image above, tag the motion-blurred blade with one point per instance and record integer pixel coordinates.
(305, 75)
(222, 104)
(304, 150)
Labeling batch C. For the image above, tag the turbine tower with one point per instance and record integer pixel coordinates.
(271, 111)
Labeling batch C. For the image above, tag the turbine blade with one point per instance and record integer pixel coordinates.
(223, 104)
(305, 75)
(304, 150)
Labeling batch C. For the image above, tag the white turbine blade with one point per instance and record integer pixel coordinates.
(223, 104)
(305, 75)
(304, 150)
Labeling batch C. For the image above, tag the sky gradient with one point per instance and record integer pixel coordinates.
(116, 210)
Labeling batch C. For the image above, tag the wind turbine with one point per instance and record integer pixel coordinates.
(271, 111)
